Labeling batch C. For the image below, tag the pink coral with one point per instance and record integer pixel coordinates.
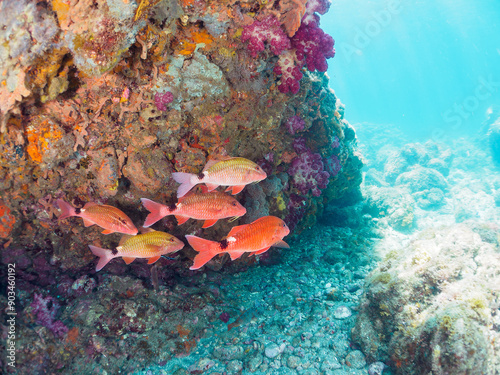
(315, 6)
(290, 70)
(162, 99)
(313, 46)
(46, 310)
(294, 124)
(268, 30)
(307, 170)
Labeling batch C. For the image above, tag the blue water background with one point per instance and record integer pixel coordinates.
(418, 65)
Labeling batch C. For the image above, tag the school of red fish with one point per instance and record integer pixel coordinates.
(208, 205)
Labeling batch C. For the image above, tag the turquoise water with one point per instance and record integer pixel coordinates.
(418, 65)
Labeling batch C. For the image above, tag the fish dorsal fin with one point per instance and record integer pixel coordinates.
(236, 229)
(181, 219)
(282, 244)
(89, 204)
(128, 260)
(153, 259)
(124, 238)
(210, 163)
(87, 222)
(145, 230)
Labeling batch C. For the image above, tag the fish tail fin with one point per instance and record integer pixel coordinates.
(206, 250)
(187, 181)
(67, 210)
(104, 255)
(155, 210)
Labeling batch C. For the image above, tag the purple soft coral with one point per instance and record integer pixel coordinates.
(313, 46)
(290, 70)
(162, 99)
(307, 170)
(45, 310)
(294, 124)
(268, 30)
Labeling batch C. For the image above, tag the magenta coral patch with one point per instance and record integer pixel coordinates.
(162, 99)
(294, 124)
(307, 170)
(313, 46)
(268, 30)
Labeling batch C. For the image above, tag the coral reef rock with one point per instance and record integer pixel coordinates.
(433, 306)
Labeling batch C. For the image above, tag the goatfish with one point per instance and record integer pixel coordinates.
(254, 238)
(108, 217)
(200, 206)
(150, 245)
(226, 171)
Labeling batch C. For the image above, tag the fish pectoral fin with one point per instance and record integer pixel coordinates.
(211, 187)
(282, 244)
(209, 223)
(261, 251)
(181, 219)
(236, 254)
(153, 259)
(236, 189)
(107, 231)
(87, 223)
(128, 260)
(236, 229)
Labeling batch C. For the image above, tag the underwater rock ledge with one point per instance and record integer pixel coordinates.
(101, 101)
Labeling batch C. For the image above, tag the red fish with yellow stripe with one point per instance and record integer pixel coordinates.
(254, 238)
(150, 245)
(224, 171)
(108, 217)
(200, 206)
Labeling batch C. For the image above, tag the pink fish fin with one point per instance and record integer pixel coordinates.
(181, 219)
(144, 230)
(155, 211)
(104, 255)
(211, 187)
(236, 254)
(124, 238)
(67, 210)
(106, 231)
(237, 189)
(236, 229)
(203, 189)
(261, 251)
(207, 250)
(89, 204)
(210, 163)
(209, 223)
(153, 259)
(187, 181)
(88, 223)
(281, 244)
(128, 260)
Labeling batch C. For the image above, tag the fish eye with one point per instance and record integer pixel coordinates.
(234, 204)
(172, 239)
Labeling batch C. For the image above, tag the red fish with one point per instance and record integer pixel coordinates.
(151, 245)
(254, 238)
(108, 217)
(205, 206)
(227, 171)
